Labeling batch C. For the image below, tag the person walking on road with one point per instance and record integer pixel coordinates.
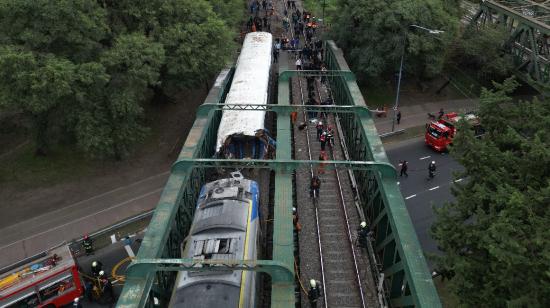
(404, 167)
(77, 303)
(431, 170)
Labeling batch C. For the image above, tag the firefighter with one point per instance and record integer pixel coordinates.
(431, 169)
(88, 245)
(404, 167)
(314, 293)
(77, 303)
(320, 129)
(363, 234)
(330, 137)
(107, 288)
(97, 268)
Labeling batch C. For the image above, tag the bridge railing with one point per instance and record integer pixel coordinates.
(406, 274)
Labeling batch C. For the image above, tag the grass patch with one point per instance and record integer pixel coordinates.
(377, 96)
(448, 299)
(23, 169)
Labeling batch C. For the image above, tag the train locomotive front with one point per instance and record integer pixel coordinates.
(225, 227)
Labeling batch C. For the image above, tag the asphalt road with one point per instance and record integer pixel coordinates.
(109, 256)
(420, 193)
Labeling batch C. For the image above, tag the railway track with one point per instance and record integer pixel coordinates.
(340, 273)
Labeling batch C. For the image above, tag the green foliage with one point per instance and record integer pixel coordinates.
(85, 68)
(482, 50)
(495, 236)
(371, 33)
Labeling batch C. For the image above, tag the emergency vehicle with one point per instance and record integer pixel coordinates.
(49, 280)
(439, 135)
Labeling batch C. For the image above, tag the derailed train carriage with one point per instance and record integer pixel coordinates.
(226, 221)
(242, 133)
(225, 227)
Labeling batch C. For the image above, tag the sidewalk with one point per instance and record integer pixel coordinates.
(30, 237)
(417, 115)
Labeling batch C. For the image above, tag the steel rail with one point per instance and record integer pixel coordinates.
(379, 280)
(302, 103)
(343, 204)
(315, 204)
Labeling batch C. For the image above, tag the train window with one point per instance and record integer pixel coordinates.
(211, 247)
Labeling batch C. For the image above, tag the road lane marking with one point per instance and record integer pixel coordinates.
(434, 188)
(411, 196)
(422, 158)
(129, 251)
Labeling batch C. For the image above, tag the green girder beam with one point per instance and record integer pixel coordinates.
(287, 74)
(386, 170)
(277, 270)
(529, 37)
(282, 291)
(360, 111)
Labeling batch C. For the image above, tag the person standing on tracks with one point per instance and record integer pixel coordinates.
(330, 137)
(404, 167)
(298, 64)
(314, 293)
(314, 187)
(320, 129)
(275, 54)
(323, 140)
(363, 235)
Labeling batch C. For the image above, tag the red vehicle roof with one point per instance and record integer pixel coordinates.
(35, 271)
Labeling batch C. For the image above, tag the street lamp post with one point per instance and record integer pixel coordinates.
(430, 31)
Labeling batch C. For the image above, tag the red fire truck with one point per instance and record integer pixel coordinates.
(440, 134)
(50, 280)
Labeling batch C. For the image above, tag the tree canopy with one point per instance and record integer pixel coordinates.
(482, 50)
(372, 33)
(87, 67)
(495, 235)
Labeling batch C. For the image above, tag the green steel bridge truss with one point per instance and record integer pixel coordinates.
(528, 24)
(153, 272)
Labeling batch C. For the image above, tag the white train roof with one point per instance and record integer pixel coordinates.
(250, 86)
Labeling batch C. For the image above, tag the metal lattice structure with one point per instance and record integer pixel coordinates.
(528, 24)
(152, 273)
